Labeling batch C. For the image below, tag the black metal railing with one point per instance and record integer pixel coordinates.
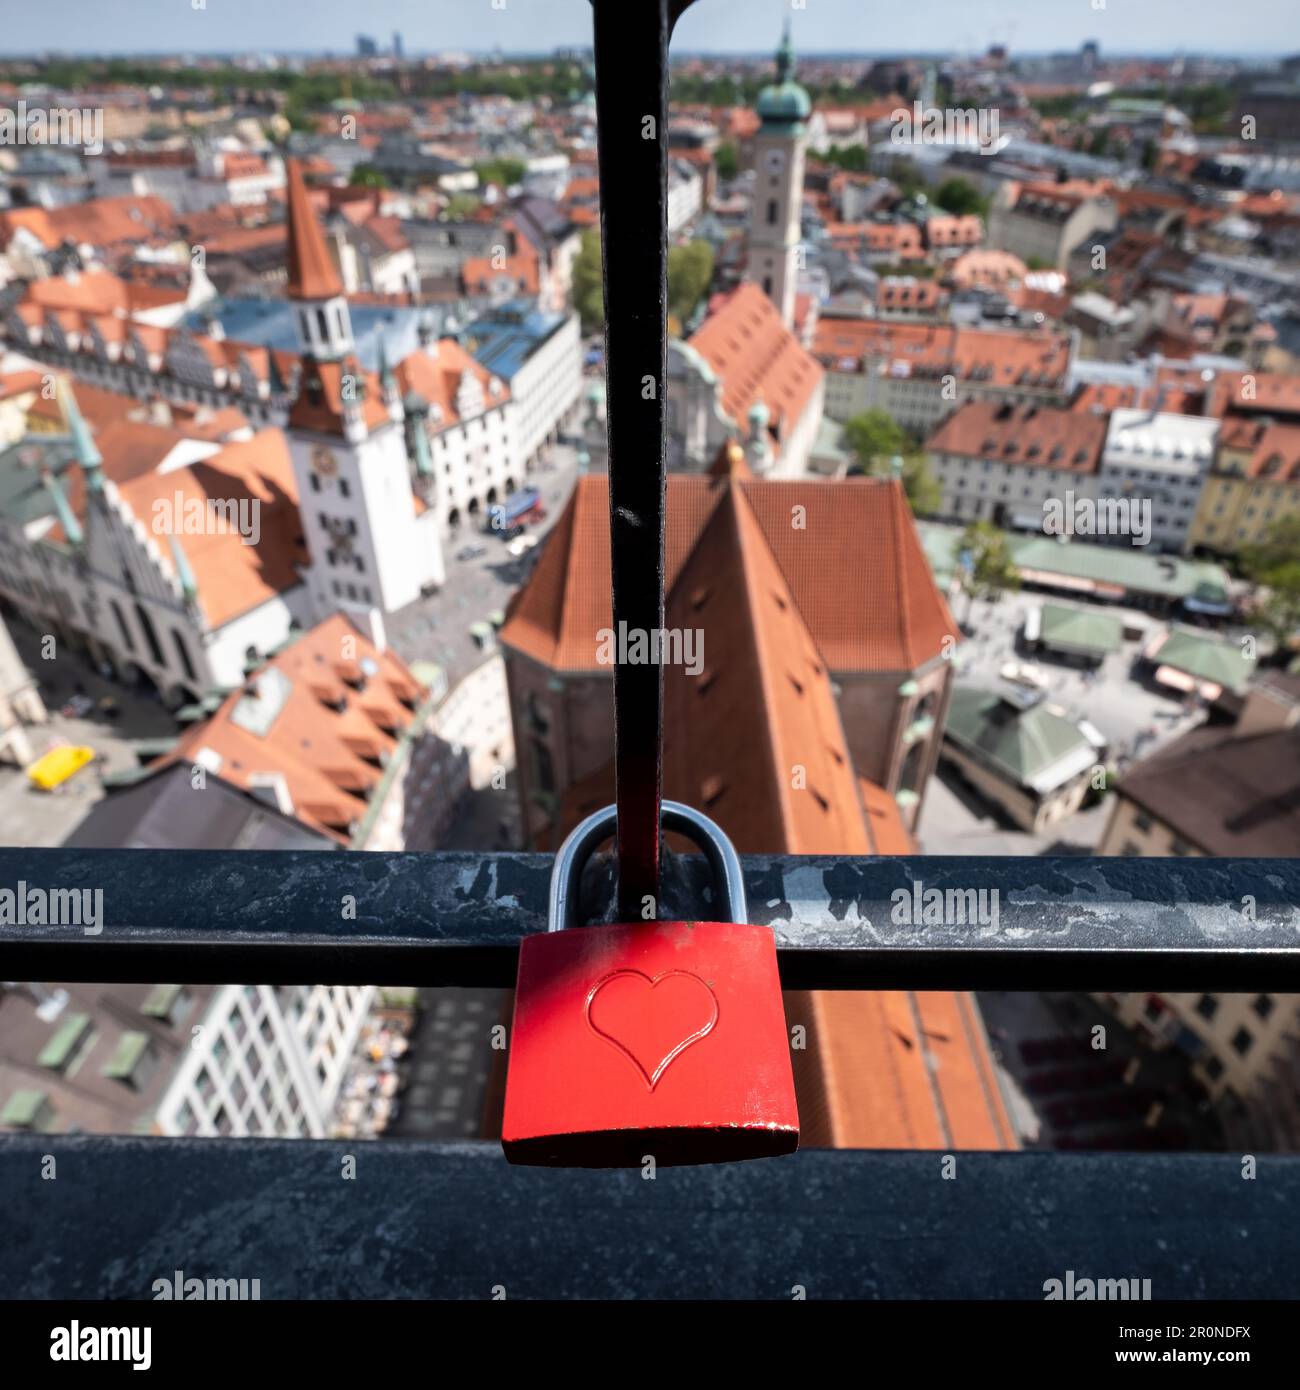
(275, 917)
(454, 1220)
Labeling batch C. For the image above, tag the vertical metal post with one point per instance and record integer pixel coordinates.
(631, 48)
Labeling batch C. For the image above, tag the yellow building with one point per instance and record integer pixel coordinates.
(1254, 484)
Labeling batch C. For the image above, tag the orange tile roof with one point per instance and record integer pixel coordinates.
(320, 751)
(1274, 449)
(319, 404)
(388, 232)
(99, 292)
(966, 230)
(100, 222)
(1010, 358)
(312, 273)
(437, 378)
(478, 273)
(1251, 392)
(761, 706)
(987, 267)
(868, 607)
(19, 383)
(904, 1070)
(905, 292)
(1067, 440)
(755, 355)
(233, 576)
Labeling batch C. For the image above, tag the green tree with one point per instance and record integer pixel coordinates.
(880, 446)
(1273, 565)
(367, 176)
(875, 436)
(460, 206)
(991, 572)
(960, 197)
(690, 269)
(588, 289)
(506, 172)
(726, 160)
(850, 157)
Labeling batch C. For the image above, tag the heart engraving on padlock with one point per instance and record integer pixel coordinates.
(648, 1028)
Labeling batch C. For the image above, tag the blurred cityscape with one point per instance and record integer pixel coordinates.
(983, 402)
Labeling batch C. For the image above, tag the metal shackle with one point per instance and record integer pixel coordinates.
(702, 832)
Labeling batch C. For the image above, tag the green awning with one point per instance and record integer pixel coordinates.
(61, 1046)
(146, 749)
(1081, 630)
(23, 1109)
(161, 1001)
(130, 1049)
(126, 776)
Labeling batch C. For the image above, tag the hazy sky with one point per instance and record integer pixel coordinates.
(123, 26)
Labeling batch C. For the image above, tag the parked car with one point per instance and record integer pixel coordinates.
(471, 552)
(1023, 673)
(521, 545)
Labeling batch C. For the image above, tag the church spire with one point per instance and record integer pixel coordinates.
(312, 274)
(323, 322)
(785, 56)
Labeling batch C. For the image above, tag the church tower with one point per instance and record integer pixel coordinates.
(315, 287)
(372, 545)
(779, 145)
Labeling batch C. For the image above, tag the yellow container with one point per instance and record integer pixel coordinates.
(55, 767)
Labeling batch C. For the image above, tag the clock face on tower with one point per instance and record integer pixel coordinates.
(324, 462)
(775, 161)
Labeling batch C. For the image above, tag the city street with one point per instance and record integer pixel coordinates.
(29, 816)
(437, 628)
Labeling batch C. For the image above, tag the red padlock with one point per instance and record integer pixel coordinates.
(655, 1039)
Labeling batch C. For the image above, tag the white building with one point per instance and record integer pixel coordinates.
(1159, 461)
(265, 1060)
(462, 431)
(173, 579)
(539, 357)
(1009, 463)
(685, 195)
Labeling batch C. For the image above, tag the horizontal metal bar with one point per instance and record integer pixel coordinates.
(456, 919)
(455, 1221)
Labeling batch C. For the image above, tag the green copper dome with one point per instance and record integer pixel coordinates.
(785, 103)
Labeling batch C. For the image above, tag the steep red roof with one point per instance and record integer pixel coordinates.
(1070, 440)
(312, 273)
(755, 355)
(868, 606)
(327, 754)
